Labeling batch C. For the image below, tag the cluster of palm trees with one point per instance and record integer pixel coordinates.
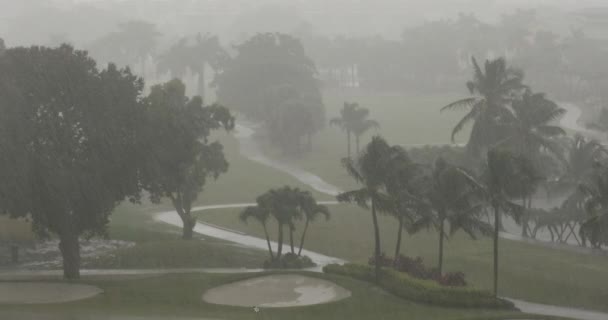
(506, 114)
(514, 148)
(286, 206)
(354, 120)
(513, 138)
(443, 196)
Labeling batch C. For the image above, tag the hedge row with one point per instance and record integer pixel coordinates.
(425, 291)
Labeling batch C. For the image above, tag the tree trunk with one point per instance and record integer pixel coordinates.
(268, 242)
(188, 226)
(496, 231)
(441, 238)
(377, 242)
(357, 143)
(291, 245)
(201, 83)
(524, 221)
(398, 246)
(348, 142)
(183, 210)
(70, 252)
(303, 237)
(280, 240)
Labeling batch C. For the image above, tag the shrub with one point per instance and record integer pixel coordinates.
(289, 261)
(425, 291)
(416, 268)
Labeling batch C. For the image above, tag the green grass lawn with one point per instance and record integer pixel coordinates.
(158, 244)
(180, 296)
(405, 119)
(527, 272)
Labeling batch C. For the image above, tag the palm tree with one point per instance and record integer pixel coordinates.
(530, 127)
(503, 173)
(369, 170)
(595, 191)
(583, 154)
(311, 210)
(261, 215)
(283, 208)
(346, 121)
(493, 89)
(403, 187)
(454, 197)
(362, 125)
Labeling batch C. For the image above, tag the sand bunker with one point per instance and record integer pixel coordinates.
(44, 292)
(276, 291)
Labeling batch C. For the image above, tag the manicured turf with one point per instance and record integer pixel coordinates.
(405, 119)
(180, 296)
(527, 272)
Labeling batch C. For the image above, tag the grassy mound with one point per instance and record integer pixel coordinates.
(426, 291)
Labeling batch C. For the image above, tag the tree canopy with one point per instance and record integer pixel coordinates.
(181, 157)
(287, 90)
(69, 148)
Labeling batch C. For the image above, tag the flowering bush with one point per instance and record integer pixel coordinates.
(416, 268)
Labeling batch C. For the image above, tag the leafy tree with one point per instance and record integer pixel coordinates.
(182, 157)
(493, 89)
(293, 119)
(370, 171)
(454, 197)
(70, 147)
(183, 56)
(287, 89)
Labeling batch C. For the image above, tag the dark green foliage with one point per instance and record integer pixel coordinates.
(69, 149)
(181, 157)
(353, 120)
(371, 170)
(286, 99)
(595, 197)
(416, 268)
(286, 205)
(425, 291)
(491, 89)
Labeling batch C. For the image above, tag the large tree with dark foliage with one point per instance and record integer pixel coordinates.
(272, 80)
(68, 147)
(181, 157)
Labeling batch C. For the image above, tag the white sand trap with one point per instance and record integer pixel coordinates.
(44, 292)
(276, 291)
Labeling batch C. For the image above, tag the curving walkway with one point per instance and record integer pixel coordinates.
(250, 149)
